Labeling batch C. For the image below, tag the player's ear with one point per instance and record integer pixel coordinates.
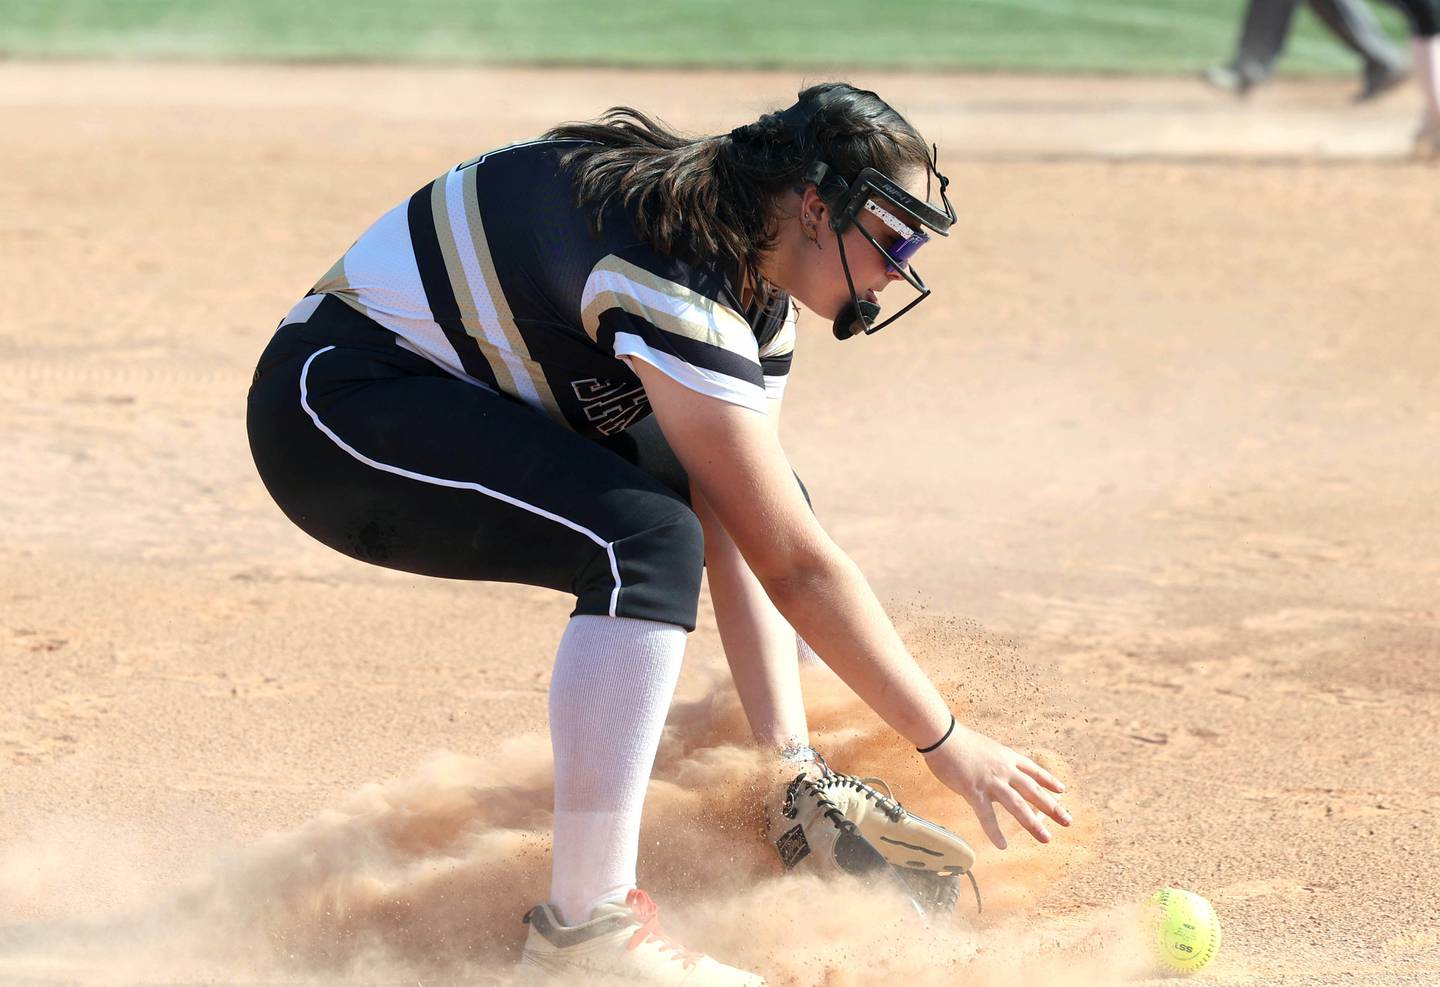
(814, 213)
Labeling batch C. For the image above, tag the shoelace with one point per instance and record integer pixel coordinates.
(649, 915)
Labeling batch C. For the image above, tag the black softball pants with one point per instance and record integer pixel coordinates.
(382, 455)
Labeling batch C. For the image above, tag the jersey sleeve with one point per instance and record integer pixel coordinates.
(642, 306)
(777, 352)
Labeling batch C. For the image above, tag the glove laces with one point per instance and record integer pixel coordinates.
(886, 803)
(828, 808)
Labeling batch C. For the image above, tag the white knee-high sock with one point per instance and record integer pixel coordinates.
(613, 682)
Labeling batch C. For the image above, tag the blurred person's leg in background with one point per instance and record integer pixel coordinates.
(1353, 22)
(1262, 38)
(1267, 27)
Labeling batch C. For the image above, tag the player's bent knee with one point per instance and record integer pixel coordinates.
(653, 574)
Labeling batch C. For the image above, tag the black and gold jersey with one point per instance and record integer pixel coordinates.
(493, 272)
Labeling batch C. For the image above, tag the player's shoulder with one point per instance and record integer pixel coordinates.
(677, 272)
(679, 296)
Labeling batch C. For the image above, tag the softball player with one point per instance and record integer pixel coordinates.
(561, 364)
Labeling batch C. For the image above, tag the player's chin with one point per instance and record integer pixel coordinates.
(828, 307)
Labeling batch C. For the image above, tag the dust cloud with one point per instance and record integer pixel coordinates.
(424, 878)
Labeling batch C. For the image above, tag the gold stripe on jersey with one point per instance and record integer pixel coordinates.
(513, 360)
(503, 314)
(334, 280)
(460, 288)
(671, 307)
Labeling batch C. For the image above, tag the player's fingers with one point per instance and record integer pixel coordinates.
(985, 812)
(1040, 799)
(1041, 775)
(1020, 809)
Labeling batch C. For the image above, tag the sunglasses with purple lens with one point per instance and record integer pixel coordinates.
(897, 257)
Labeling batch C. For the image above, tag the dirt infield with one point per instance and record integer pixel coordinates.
(1151, 483)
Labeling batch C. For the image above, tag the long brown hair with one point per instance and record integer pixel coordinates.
(713, 196)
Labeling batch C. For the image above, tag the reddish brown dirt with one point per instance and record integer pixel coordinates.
(1151, 482)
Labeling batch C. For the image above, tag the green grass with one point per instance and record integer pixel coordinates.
(1084, 35)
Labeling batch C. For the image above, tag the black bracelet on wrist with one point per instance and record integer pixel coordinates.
(934, 746)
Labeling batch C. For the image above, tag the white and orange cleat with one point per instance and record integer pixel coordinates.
(621, 944)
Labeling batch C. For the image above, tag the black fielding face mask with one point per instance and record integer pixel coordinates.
(909, 217)
(872, 191)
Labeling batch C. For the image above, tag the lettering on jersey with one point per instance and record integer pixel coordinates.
(612, 405)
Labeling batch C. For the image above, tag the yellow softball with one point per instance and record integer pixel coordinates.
(1183, 930)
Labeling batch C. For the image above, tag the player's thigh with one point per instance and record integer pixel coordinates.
(429, 474)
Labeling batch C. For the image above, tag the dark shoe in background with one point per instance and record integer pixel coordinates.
(1379, 80)
(1229, 79)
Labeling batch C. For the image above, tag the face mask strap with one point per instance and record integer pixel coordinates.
(924, 294)
(944, 183)
(860, 311)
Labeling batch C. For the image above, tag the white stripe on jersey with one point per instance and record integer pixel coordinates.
(481, 304)
(379, 279)
(716, 385)
(302, 310)
(673, 308)
(453, 484)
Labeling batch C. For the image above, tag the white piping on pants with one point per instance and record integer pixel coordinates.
(455, 484)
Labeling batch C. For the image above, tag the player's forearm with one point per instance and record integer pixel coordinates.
(759, 643)
(833, 608)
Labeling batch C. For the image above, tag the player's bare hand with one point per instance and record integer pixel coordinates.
(986, 773)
